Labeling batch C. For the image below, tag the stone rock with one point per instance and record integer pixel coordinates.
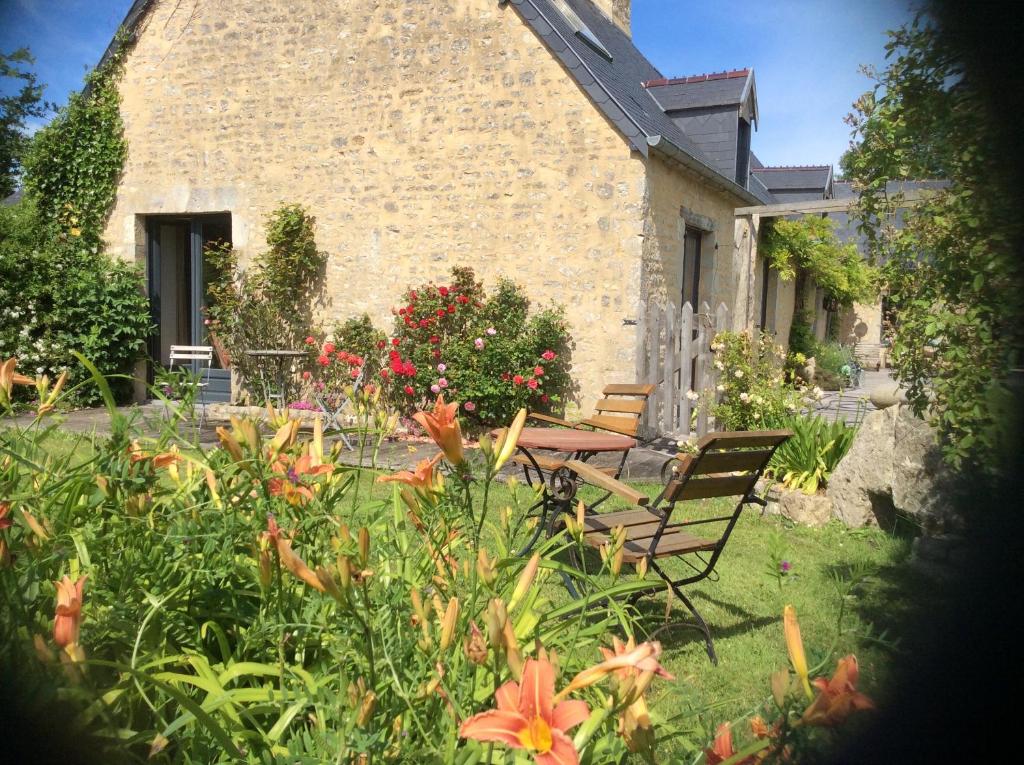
(886, 395)
(894, 468)
(806, 509)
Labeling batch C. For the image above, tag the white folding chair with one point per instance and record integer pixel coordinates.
(192, 356)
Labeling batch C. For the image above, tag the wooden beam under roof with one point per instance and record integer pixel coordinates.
(817, 206)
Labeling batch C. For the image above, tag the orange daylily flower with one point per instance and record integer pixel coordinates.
(722, 748)
(443, 426)
(68, 618)
(837, 697)
(528, 718)
(288, 558)
(420, 478)
(627, 661)
(5, 523)
(9, 378)
(292, 486)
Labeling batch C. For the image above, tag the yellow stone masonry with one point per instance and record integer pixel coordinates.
(421, 136)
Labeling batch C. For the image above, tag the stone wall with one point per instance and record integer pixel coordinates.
(618, 11)
(676, 198)
(861, 323)
(421, 135)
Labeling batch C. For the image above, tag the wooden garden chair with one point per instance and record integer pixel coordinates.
(621, 411)
(728, 464)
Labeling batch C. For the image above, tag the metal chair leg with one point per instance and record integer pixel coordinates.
(699, 624)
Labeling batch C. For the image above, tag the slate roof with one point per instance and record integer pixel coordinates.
(616, 86)
(702, 90)
(794, 177)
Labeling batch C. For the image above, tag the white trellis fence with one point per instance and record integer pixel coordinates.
(678, 359)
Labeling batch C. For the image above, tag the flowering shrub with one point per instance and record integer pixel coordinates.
(752, 393)
(488, 350)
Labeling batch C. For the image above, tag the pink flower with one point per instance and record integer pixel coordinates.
(323, 361)
(443, 383)
(306, 375)
(441, 368)
(469, 406)
(443, 291)
(544, 398)
(320, 386)
(408, 390)
(492, 331)
(548, 355)
(206, 322)
(328, 347)
(310, 340)
(518, 379)
(532, 383)
(538, 371)
(479, 343)
(395, 341)
(435, 388)
(435, 339)
(384, 373)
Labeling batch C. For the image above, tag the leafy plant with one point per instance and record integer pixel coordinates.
(808, 248)
(805, 461)
(952, 270)
(270, 305)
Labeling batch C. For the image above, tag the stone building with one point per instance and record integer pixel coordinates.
(525, 138)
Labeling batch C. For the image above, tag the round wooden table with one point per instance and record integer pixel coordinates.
(573, 441)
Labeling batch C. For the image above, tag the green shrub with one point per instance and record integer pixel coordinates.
(270, 305)
(807, 460)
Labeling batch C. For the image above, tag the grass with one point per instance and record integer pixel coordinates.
(851, 590)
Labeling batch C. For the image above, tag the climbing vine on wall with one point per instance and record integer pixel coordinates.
(809, 247)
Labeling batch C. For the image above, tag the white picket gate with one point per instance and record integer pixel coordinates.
(677, 357)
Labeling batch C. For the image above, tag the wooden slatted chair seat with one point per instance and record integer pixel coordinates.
(728, 464)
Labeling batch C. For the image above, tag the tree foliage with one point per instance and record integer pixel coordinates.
(810, 245)
(950, 269)
(16, 108)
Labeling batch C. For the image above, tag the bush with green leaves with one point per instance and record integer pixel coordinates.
(271, 304)
(59, 291)
(807, 460)
(751, 390)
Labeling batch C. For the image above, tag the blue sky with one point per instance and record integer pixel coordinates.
(805, 54)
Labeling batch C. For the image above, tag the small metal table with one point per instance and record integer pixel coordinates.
(560, 487)
(280, 359)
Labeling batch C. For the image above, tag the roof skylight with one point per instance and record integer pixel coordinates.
(582, 30)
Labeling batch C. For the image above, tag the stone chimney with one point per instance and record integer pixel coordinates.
(617, 11)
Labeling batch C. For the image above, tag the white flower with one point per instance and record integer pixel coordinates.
(756, 399)
(692, 395)
(40, 370)
(757, 415)
(744, 397)
(738, 373)
(719, 364)
(818, 393)
(720, 388)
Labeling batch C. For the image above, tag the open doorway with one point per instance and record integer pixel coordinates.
(177, 287)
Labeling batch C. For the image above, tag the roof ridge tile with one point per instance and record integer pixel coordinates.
(692, 78)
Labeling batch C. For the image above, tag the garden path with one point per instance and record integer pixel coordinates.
(852, 404)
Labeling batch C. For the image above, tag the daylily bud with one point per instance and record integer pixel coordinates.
(451, 615)
(475, 645)
(525, 581)
(497, 617)
(366, 708)
(264, 560)
(512, 653)
(485, 568)
(780, 684)
(330, 586)
(230, 444)
(36, 526)
(641, 568)
(486, 444)
(795, 646)
(345, 572)
(511, 439)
